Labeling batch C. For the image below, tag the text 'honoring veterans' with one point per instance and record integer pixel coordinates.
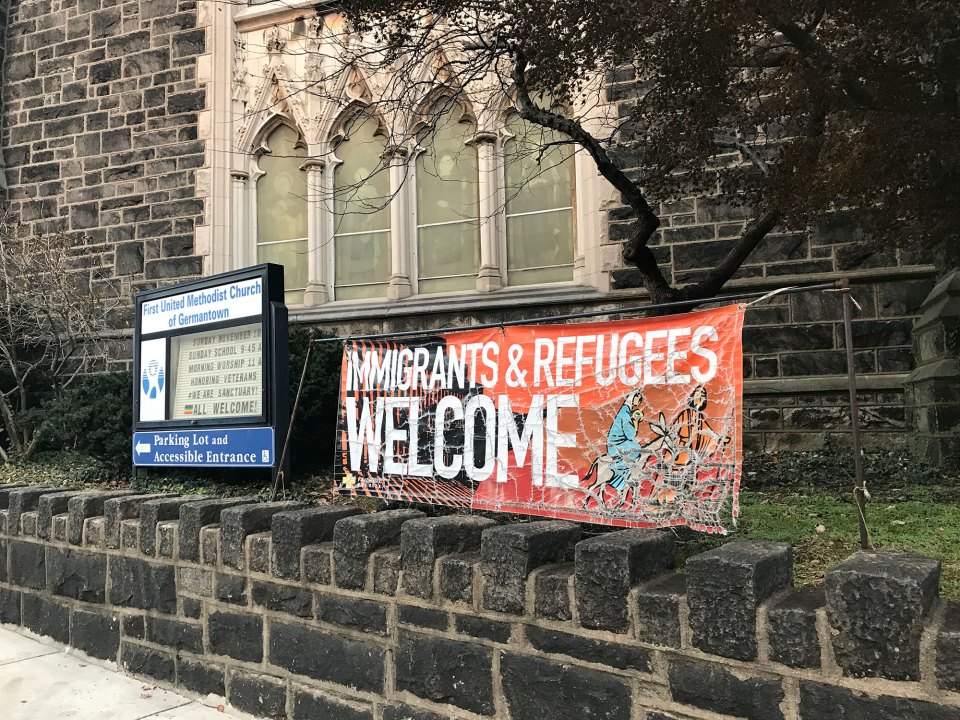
(632, 422)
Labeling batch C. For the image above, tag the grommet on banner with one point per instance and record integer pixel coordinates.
(847, 292)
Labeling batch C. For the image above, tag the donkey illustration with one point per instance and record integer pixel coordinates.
(623, 466)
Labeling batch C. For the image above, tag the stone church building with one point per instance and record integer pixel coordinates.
(180, 138)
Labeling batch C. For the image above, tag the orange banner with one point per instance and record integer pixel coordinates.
(634, 423)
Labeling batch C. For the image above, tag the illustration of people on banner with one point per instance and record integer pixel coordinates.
(648, 472)
(631, 422)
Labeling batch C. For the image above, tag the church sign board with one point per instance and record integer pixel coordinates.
(210, 371)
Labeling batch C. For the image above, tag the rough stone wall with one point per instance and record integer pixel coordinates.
(796, 339)
(792, 342)
(934, 386)
(4, 9)
(99, 135)
(305, 612)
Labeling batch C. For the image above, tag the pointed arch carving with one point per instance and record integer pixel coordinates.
(260, 145)
(356, 87)
(434, 73)
(356, 94)
(274, 96)
(324, 96)
(344, 119)
(423, 116)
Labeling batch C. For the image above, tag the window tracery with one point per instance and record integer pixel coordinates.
(451, 202)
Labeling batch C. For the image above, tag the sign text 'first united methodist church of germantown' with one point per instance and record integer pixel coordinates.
(211, 371)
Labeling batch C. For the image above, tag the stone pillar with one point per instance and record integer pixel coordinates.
(237, 522)
(24, 500)
(244, 253)
(934, 386)
(948, 650)
(658, 610)
(400, 286)
(216, 127)
(294, 529)
(194, 515)
(609, 565)
(792, 626)
(725, 588)
(49, 505)
(355, 538)
(88, 505)
(423, 541)
(489, 277)
(509, 553)
(316, 292)
(877, 603)
(150, 514)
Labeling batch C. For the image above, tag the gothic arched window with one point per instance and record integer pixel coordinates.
(448, 227)
(361, 206)
(282, 209)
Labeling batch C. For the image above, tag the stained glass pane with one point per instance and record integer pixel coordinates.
(539, 174)
(539, 180)
(362, 180)
(447, 192)
(282, 190)
(539, 241)
(362, 259)
(448, 257)
(282, 211)
(293, 256)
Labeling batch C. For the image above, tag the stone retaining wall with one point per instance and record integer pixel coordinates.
(322, 612)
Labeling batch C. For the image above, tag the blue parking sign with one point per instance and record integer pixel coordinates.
(206, 447)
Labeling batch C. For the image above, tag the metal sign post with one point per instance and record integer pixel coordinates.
(860, 490)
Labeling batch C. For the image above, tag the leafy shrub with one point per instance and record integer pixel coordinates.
(314, 430)
(93, 417)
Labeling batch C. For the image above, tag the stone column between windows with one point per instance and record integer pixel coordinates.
(244, 251)
(489, 277)
(316, 292)
(400, 286)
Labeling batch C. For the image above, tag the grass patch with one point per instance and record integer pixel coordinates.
(823, 531)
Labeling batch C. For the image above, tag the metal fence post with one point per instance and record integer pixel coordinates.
(860, 491)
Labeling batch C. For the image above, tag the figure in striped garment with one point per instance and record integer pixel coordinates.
(693, 435)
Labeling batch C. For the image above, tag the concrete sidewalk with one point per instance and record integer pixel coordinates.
(41, 679)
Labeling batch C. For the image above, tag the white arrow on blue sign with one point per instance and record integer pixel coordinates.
(207, 447)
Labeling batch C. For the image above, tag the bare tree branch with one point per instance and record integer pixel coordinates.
(716, 278)
(53, 329)
(636, 250)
